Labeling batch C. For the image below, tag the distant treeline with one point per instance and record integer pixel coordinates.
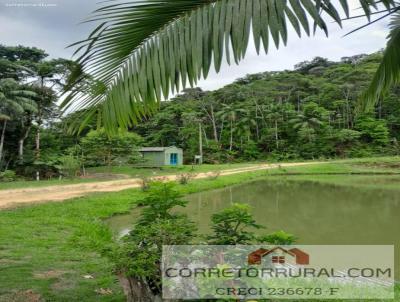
(310, 112)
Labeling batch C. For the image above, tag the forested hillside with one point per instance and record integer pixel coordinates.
(310, 112)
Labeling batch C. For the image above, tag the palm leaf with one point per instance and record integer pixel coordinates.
(141, 51)
(4, 117)
(15, 99)
(388, 72)
(11, 105)
(26, 103)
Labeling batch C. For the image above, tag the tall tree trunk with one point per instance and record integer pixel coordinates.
(37, 143)
(221, 131)
(21, 149)
(214, 124)
(231, 138)
(37, 150)
(276, 134)
(260, 110)
(200, 144)
(205, 136)
(21, 142)
(211, 116)
(257, 129)
(3, 134)
(347, 97)
(37, 138)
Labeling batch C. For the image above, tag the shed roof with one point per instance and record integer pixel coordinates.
(155, 149)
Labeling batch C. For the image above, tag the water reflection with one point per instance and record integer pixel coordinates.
(314, 212)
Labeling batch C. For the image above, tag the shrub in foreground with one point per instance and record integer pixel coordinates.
(8, 176)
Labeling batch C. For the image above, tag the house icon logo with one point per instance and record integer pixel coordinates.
(279, 255)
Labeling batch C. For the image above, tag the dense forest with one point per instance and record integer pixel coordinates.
(310, 112)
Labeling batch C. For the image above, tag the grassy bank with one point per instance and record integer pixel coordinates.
(139, 172)
(49, 248)
(22, 184)
(357, 166)
(56, 250)
(371, 173)
(109, 173)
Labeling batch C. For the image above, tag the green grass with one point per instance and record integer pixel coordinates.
(48, 248)
(22, 184)
(363, 165)
(129, 171)
(371, 173)
(379, 165)
(382, 182)
(70, 238)
(138, 172)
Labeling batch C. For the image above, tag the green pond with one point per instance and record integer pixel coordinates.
(315, 213)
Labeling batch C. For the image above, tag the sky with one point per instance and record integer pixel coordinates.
(53, 24)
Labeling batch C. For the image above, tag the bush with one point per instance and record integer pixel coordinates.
(8, 176)
(99, 148)
(138, 257)
(250, 151)
(232, 226)
(279, 238)
(46, 170)
(69, 166)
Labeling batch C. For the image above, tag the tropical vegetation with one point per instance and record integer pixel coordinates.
(128, 88)
(131, 61)
(82, 264)
(307, 113)
(310, 112)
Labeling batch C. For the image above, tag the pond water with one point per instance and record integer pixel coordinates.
(315, 213)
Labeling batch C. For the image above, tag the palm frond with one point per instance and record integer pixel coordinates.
(12, 106)
(15, 99)
(141, 51)
(24, 92)
(26, 103)
(388, 72)
(4, 117)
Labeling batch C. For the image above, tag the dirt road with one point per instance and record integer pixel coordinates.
(16, 197)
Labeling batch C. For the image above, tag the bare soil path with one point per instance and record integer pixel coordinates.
(15, 197)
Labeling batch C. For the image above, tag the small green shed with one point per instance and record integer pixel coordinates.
(161, 156)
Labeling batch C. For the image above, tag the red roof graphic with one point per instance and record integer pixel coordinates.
(301, 257)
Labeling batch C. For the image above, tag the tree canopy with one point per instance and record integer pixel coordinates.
(134, 59)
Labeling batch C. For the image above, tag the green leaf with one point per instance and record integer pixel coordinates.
(144, 50)
(388, 73)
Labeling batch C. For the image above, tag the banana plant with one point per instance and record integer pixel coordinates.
(142, 51)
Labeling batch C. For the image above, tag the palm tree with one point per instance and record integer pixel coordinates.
(143, 50)
(14, 101)
(275, 115)
(309, 121)
(231, 113)
(46, 75)
(245, 125)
